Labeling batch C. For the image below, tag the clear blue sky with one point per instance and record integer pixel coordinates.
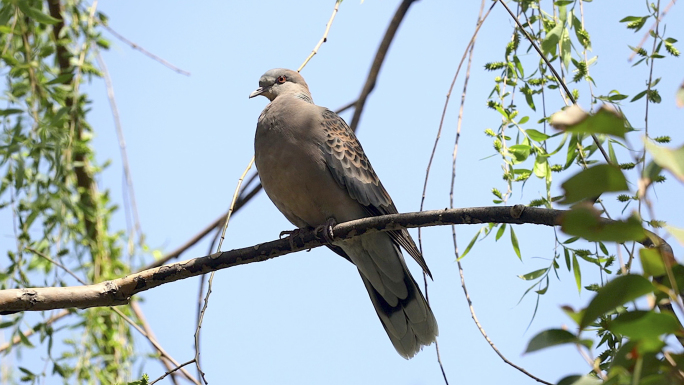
(306, 318)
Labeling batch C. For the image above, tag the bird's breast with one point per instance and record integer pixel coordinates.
(295, 177)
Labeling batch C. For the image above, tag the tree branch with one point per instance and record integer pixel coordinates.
(119, 291)
(377, 62)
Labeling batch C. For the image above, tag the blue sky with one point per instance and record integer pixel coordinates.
(306, 317)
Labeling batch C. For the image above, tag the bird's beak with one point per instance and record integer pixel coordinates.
(257, 92)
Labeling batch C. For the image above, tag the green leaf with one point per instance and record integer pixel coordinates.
(551, 40)
(536, 135)
(671, 160)
(587, 223)
(520, 152)
(514, 243)
(143, 381)
(501, 231)
(617, 292)
(640, 324)
(541, 166)
(605, 121)
(639, 96)
(61, 79)
(652, 262)
(578, 272)
(593, 182)
(579, 380)
(470, 245)
(574, 315)
(533, 275)
(35, 14)
(24, 340)
(566, 48)
(10, 111)
(677, 233)
(551, 337)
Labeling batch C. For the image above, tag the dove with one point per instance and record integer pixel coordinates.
(315, 171)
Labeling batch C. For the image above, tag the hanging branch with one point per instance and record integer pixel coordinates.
(119, 291)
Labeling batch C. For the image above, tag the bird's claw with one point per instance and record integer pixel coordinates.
(326, 230)
(291, 234)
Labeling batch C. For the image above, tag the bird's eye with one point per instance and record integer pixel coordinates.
(281, 79)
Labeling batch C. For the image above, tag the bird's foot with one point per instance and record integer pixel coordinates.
(326, 230)
(291, 234)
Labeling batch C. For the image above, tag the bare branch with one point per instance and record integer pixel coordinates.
(377, 62)
(469, 53)
(484, 334)
(325, 35)
(28, 333)
(200, 318)
(119, 291)
(145, 52)
(168, 364)
(146, 331)
(171, 371)
(129, 192)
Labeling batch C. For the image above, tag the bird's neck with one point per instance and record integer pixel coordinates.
(304, 96)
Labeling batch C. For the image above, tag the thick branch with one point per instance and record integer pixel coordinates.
(120, 291)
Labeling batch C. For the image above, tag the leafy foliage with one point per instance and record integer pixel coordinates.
(48, 172)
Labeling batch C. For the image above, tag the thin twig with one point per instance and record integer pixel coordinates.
(28, 333)
(146, 332)
(200, 292)
(648, 102)
(146, 327)
(154, 343)
(325, 35)
(472, 313)
(441, 121)
(555, 74)
(211, 277)
(451, 203)
(172, 370)
(379, 59)
(144, 51)
(122, 147)
(469, 48)
(654, 26)
(71, 273)
(232, 204)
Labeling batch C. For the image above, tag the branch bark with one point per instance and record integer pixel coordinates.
(120, 291)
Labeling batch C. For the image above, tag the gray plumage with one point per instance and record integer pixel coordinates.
(314, 169)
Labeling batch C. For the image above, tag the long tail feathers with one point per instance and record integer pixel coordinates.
(410, 324)
(401, 307)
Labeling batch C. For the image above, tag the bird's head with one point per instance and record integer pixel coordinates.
(280, 81)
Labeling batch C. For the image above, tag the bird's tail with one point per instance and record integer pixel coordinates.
(403, 311)
(410, 324)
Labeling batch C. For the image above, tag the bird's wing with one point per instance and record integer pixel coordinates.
(351, 169)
